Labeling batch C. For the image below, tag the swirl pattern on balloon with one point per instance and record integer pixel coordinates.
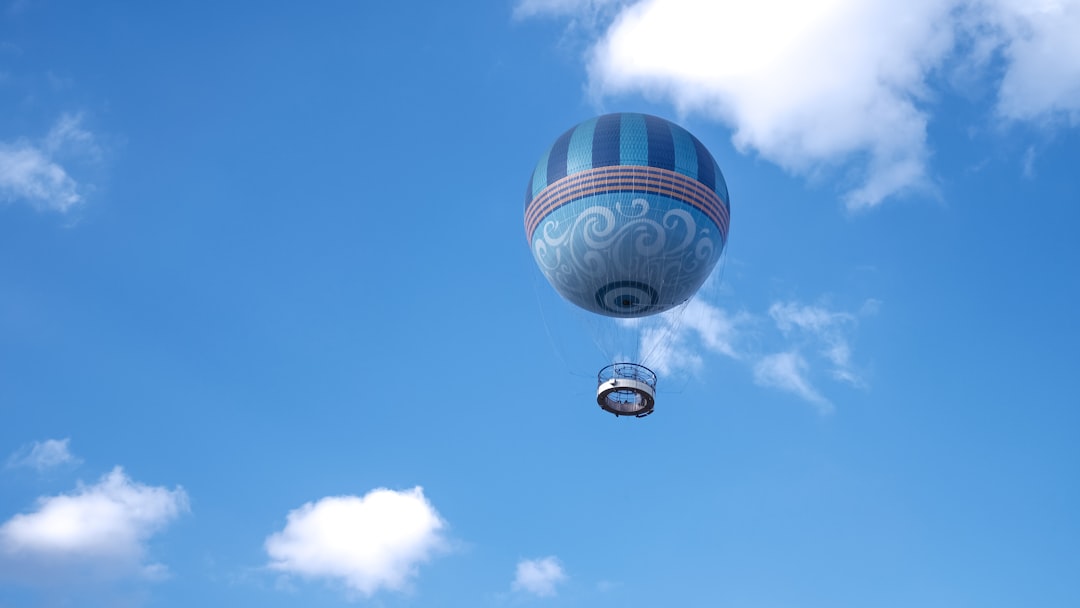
(626, 255)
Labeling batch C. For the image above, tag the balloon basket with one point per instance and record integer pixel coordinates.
(626, 389)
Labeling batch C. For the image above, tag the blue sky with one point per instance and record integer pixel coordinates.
(271, 334)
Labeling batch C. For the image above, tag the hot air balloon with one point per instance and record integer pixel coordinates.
(627, 215)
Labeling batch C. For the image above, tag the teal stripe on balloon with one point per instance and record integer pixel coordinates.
(633, 141)
(686, 161)
(579, 155)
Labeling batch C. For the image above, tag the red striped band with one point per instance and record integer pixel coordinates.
(627, 178)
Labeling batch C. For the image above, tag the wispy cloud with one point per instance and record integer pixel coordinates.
(42, 455)
(841, 84)
(607, 586)
(586, 13)
(32, 172)
(539, 576)
(371, 542)
(97, 531)
(809, 341)
(815, 319)
(674, 340)
(1028, 166)
(787, 371)
(814, 328)
(826, 329)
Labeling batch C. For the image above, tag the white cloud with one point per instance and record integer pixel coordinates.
(672, 342)
(834, 84)
(676, 341)
(101, 528)
(804, 84)
(27, 174)
(68, 137)
(31, 172)
(791, 315)
(825, 329)
(539, 576)
(1042, 51)
(667, 350)
(787, 371)
(367, 543)
(717, 330)
(42, 455)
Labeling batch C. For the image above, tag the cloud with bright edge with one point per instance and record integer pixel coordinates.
(42, 455)
(101, 529)
(539, 576)
(835, 84)
(31, 171)
(367, 543)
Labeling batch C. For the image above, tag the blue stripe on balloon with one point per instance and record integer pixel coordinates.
(661, 143)
(685, 152)
(605, 151)
(633, 141)
(579, 154)
(556, 165)
(721, 185)
(706, 168)
(627, 139)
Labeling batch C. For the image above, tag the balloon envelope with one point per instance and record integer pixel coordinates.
(627, 214)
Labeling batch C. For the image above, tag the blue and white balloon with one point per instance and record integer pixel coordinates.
(627, 214)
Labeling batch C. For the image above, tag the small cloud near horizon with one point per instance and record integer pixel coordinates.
(98, 532)
(366, 543)
(539, 576)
